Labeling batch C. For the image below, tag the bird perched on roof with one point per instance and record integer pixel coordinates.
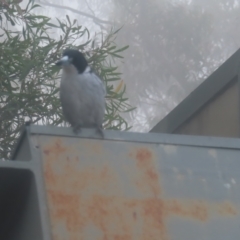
(82, 92)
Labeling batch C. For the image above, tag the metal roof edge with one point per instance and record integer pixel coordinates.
(23, 134)
(154, 138)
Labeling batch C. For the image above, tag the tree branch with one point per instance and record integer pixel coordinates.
(95, 19)
(86, 1)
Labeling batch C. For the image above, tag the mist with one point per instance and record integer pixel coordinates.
(173, 46)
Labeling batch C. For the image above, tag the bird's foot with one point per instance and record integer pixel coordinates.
(100, 132)
(77, 129)
(28, 123)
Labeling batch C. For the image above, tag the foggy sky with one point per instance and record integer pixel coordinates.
(164, 65)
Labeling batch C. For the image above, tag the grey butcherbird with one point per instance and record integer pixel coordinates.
(82, 92)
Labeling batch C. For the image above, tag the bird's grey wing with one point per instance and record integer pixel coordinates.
(101, 82)
(103, 87)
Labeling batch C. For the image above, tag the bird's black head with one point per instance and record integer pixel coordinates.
(74, 57)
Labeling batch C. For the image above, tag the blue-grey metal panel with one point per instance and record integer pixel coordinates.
(140, 186)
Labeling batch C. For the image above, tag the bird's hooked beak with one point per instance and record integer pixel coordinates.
(64, 61)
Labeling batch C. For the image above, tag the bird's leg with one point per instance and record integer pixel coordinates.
(77, 129)
(28, 123)
(100, 131)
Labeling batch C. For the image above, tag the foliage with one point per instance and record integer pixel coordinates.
(29, 79)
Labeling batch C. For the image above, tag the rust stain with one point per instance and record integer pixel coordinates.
(71, 215)
(154, 214)
(113, 215)
(143, 155)
(63, 198)
(56, 147)
(98, 149)
(227, 209)
(49, 177)
(49, 174)
(135, 216)
(198, 210)
(152, 174)
(82, 195)
(146, 165)
(46, 151)
(123, 237)
(104, 174)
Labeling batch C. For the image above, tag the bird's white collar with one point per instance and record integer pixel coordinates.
(87, 70)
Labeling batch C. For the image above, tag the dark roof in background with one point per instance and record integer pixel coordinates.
(213, 85)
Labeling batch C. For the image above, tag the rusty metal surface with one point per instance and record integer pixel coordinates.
(115, 190)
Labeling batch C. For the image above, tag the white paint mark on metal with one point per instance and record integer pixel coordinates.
(212, 153)
(170, 149)
(227, 185)
(233, 181)
(175, 170)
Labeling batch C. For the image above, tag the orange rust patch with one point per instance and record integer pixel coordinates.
(46, 152)
(123, 237)
(63, 198)
(152, 174)
(198, 210)
(154, 210)
(105, 173)
(49, 175)
(134, 216)
(149, 179)
(153, 213)
(227, 209)
(143, 155)
(97, 148)
(57, 148)
(113, 216)
(154, 219)
(83, 196)
(70, 214)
